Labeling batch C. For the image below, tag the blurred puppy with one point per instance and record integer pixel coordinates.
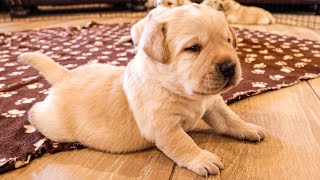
(216, 4)
(162, 6)
(239, 14)
(166, 3)
(173, 82)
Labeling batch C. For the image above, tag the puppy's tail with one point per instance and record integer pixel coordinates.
(52, 71)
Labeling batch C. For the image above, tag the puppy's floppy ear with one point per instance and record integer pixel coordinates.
(234, 38)
(154, 41)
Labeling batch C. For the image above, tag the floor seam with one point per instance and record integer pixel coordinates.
(313, 90)
(173, 171)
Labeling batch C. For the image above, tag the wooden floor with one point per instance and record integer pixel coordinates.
(291, 150)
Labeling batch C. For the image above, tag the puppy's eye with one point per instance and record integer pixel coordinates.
(229, 40)
(169, 3)
(194, 48)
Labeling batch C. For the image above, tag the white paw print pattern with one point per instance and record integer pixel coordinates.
(70, 65)
(285, 46)
(316, 55)
(310, 75)
(268, 57)
(306, 60)
(263, 51)
(38, 144)
(106, 52)
(295, 50)
(24, 101)
(298, 54)
(23, 67)
(249, 59)
(258, 71)
(300, 64)
(44, 91)
(35, 86)
(99, 43)
(281, 63)
(7, 94)
(94, 49)
(10, 64)
(276, 77)
(247, 49)
(93, 61)
(29, 78)
(16, 73)
(287, 69)
(2, 69)
(13, 113)
(121, 54)
(304, 48)
(278, 50)
(259, 84)
(123, 59)
(29, 128)
(2, 78)
(287, 57)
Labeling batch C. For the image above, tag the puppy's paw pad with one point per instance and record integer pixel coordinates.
(206, 163)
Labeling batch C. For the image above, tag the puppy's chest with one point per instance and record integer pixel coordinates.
(191, 114)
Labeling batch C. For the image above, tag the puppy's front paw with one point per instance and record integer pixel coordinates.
(205, 163)
(251, 132)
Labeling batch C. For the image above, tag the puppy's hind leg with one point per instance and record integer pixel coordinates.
(45, 120)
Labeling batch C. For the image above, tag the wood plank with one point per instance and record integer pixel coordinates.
(315, 85)
(291, 150)
(89, 164)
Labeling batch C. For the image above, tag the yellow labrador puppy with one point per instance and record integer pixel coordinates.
(173, 82)
(239, 14)
(216, 4)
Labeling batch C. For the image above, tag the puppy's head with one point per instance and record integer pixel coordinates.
(229, 5)
(168, 3)
(215, 4)
(193, 50)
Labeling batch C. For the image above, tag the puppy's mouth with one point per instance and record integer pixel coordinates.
(227, 84)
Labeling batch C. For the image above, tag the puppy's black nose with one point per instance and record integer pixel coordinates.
(227, 69)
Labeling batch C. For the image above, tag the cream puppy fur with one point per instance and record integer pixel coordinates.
(137, 29)
(239, 14)
(173, 82)
(216, 4)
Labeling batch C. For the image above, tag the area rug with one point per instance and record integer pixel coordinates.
(269, 62)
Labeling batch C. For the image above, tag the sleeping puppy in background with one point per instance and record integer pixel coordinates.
(162, 6)
(215, 4)
(172, 3)
(239, 14)
(166, 3)
(172, 84)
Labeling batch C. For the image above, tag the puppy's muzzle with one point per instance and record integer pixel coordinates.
(227, 69)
